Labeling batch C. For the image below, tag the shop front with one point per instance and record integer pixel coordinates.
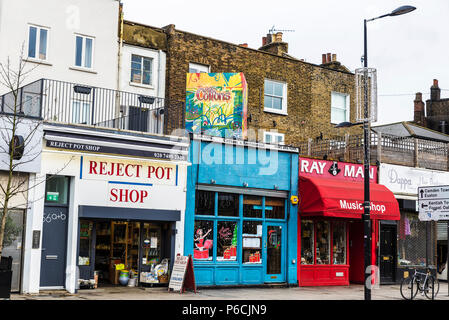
(417, 243)
(112, 208)
(330, 229)
(241, 218)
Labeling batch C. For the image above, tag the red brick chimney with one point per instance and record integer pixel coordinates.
(419, 117)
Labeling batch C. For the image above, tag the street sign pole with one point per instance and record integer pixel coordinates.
(447, 258)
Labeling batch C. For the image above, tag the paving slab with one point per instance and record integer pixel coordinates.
(352, 292)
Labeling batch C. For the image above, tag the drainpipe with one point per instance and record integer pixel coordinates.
(119, 62)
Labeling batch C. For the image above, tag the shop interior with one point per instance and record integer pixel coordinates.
(126, 253)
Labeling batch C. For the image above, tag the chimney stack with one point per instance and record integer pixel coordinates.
(273, 43)
(419, 117)
(435, 91)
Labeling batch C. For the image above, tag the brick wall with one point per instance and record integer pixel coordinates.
(309, 86)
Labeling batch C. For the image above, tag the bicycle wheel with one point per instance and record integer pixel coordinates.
(406, 288)
(432, 282)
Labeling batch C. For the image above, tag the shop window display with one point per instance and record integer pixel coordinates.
(252, 242)
(205, 203)
(274, 208)
(412, 241)
(228, 204)
(339, 243)
(322, 242)
(307, 239)
(252, 206)
(203, 240)
(226, 240)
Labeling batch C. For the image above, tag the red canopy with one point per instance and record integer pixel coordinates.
(343, 199)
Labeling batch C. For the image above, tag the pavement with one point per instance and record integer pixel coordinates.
(352, 292)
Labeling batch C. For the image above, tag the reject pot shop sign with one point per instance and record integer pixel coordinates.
(126, 182)
(336, 189)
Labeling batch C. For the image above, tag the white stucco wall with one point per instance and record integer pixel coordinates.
(64, 18)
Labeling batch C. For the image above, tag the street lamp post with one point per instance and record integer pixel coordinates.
(366, 143)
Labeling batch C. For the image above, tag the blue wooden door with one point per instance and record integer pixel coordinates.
(274, 252)
(54, 243)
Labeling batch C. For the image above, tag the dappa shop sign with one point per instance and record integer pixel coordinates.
(216, 104)
(129, 181)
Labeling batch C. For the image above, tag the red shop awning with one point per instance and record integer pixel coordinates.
(344, 199)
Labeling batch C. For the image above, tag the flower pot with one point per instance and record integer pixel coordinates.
(5, 277)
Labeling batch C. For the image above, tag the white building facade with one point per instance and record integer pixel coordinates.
(81, 73)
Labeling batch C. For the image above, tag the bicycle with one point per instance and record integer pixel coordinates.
(422, 282)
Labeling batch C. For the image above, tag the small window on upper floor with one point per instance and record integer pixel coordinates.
(339, 107)
(38, 43)
(275, 97)
(141, 70)
(198, 68)
(273, 137)
(84, 49)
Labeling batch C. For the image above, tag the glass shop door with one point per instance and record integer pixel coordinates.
(274, 247)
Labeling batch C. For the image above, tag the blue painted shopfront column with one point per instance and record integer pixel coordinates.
(241, 227)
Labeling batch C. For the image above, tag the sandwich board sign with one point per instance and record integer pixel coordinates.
(433, 203)
(182, 275)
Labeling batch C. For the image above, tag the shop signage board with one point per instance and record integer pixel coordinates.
(433, 203)
(182, 275)
(406, 180)
(335, 170)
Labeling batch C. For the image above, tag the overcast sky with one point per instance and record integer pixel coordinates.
(408, 51)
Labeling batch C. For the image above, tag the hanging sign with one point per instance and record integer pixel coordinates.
(433, 203)
(182, 276)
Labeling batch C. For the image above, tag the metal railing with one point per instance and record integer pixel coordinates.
(71, 103)
(408, 151)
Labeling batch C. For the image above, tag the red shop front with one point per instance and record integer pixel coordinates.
(330, 228)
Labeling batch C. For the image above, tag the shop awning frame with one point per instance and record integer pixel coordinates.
(321, 197)
(118, 213)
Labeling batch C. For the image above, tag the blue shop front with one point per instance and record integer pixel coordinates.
(241, 214)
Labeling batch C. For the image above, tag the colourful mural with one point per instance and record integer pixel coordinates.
(216, 104)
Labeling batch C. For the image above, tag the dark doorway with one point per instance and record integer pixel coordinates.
(356, 252)
(387, 254)
(138, 119)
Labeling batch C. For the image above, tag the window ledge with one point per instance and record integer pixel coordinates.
(32, 60)
(82, 69)
(281, 112)
(140, 85)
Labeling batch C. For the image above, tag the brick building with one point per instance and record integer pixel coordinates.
(434, 113)
(306, 92)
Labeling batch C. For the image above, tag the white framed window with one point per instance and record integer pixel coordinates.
(38, 42)
(339, 107)
(198, 68)
(141, 70)
(84, 51)
(275, 96)
(81, 112)
(273, 137)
